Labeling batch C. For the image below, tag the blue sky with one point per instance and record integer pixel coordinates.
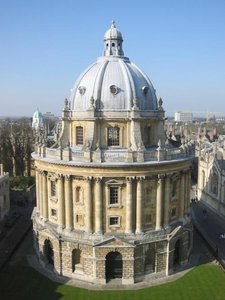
(46, 44)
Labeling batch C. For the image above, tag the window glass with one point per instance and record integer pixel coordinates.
(113, 195)
(113, 136)
(79, 135)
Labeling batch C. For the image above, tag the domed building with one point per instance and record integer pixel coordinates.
(112, 193)
(37, 121)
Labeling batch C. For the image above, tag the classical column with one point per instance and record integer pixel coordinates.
(159, 210)
(182, 196)
(37, 191)
(68, 203)
(167, 199)
(45, 196)
(129, 205)
(98, 206)
(88, 216)
(40, 193)
(188, 192)
(139, 204)
(61, 207)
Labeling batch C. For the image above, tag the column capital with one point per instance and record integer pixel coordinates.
(168, 175)
(88, 178)
(140, 178)
(60, 176)
(67, 177)
(130, 178)
(98, 179)
(42, 172)
(161, 176)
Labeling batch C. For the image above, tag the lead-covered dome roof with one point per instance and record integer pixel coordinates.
(113, 82)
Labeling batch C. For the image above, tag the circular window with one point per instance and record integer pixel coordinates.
(82, 89)
(113, 89)
(145, 90)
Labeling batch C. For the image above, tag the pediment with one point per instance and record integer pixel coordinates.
(114, 242)
(114, 182)
(177, 231)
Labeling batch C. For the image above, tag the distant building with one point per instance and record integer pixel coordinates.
(49, 116)
(37, 122)
(4, 193)
(211, 174)
(181, 116)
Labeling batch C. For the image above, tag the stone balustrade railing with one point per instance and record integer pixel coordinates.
(114, 155)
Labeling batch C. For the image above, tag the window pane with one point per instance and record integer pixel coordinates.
(53, 189)
(113, 195)
(79, 135)
(113, 136)
(113, 221)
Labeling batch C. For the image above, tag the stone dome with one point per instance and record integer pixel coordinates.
(113, 82)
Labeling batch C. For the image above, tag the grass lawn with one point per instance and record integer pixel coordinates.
(205, 282)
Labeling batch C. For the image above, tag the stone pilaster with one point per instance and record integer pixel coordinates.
(159, 208)
(88, 216)
(98, 206)
(129, 206)
(187, 191)
(61, 210)
(40, 193)
(139, 205)
(37, 191)
(182, 196)
(68, 203)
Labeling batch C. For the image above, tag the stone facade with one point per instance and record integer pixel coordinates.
(112, 194)
(211, 174)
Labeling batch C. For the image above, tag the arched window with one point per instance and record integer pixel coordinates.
(76, 260)
(113, 265)
(174, 189)
(79, 135)
(113, 136)
(177, 253)
(147, 136)
(48, 252)
(214, 184)
(150, 260)
(78, 194)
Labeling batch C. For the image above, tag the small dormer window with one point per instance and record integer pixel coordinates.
(113, 44)
(145, 90)
(113, 89)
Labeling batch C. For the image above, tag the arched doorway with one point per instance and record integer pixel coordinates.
(113, 265)
(177, 253)
(48, 252)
